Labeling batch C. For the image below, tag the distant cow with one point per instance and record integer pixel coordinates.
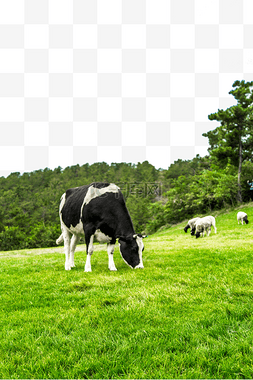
(204, 225)
(98, 210)
(242, 217)
(191, 224)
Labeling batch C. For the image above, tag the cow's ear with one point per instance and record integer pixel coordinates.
(139, 235)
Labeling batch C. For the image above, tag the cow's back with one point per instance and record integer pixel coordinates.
(72, 202)
(108, 213)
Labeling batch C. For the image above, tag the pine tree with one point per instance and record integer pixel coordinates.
(232, 141)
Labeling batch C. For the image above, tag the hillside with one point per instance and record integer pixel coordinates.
(228, 230)
(187, 314)
(29, 203)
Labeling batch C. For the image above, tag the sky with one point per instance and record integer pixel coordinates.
(86, 81)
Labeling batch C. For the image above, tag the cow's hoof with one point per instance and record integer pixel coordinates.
(113, 269)
(87, 270)
(139, 267)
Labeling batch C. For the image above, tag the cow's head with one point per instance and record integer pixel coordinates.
(131, 248)
(186, 228)
(246, 220)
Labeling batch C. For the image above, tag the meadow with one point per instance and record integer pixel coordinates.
(187, 314)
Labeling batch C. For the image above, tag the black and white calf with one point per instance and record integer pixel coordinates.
(204, 225)
(191, 224)
(242, 217)
(98, 211)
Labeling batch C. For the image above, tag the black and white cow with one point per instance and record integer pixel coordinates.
(98, 211)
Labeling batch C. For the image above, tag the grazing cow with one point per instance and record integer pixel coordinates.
(98, 211)
(204, 225)
(191, 224)
(243, 217)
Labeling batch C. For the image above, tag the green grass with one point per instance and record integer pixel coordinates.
(187, 314)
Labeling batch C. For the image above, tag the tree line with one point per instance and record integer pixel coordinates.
(29, 203)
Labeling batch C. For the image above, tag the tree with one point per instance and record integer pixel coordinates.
(188, 167)
(232, 141)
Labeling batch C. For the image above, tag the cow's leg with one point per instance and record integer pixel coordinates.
(66, 240)
(110, 250)
(73, 243)
(90, 249)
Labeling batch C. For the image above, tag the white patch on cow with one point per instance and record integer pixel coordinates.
(63, 200)
(110, 250)
(66, 239)
(70, 252)
(73, 243)
(140, 246)
(78, 229)
(62, 203)
(87, 267)
(94, 192)
(90, 247)
(101, 237)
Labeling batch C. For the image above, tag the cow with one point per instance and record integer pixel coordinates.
(98, 211)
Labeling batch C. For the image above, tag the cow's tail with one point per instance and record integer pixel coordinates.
(63, 199)
(59, 240)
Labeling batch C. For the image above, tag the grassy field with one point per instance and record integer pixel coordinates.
(187, 314)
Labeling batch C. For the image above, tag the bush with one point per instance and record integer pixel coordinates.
(40, 235)
(157, 217)
(11, 238)
(138, 208)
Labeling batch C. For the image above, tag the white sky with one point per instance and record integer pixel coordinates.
(116, 80)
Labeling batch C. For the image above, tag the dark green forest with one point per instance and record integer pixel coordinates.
(155, 198)
(29, 203)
